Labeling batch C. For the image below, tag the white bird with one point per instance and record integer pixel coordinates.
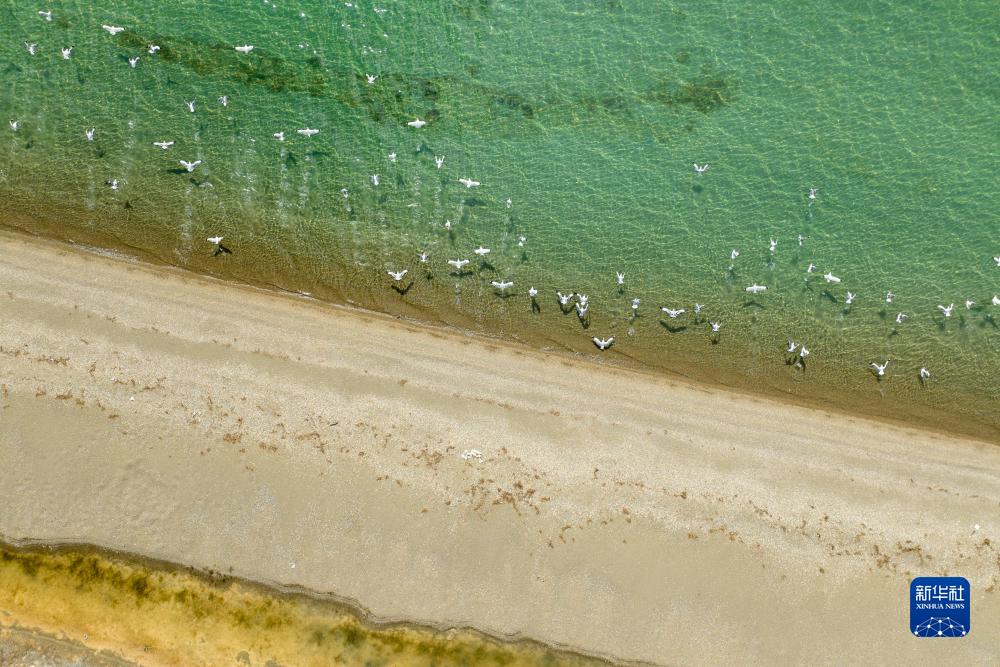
(398, 275)
(791, 346)
(698, 307)
(635, 304)
(113, 29)
(423, 257)
(439, 160)
(481, 251)
(392, 157)
(31, 47)
(672, 313)
(447, 224)
(889, 296)
(371, 78)
(880, 369)
(700, 169)
(620, 277)
(850, 297)
(280, 136)
(113, 184)
(215, 240)
(756, 289)
(734, 254)
(90, 134)
(375, 179)
(924, 374)
(810, 268)
(246, 48)
(582, 298)
(773, 245)
(813, 192)
(417, 123)
(66, 52)
(603, 343)
(830, 278)
(153, 48)
(901, 317)
(532, 292)
(133, 61)
(803, 352)
(801, 239)
(307, 132)
(163, 144)
(224, 100)
(564, 298)
(715, 326)
(14, 124)
(581, 310)
(190, 106)
(343, 191)
(996, 300)
(946, 309)
(502, 285)
(997, 260)
(458, 263)
(509, 203)
(45, 15)
(969, 303)
(190, 165)
(521, 240)
(468, 182)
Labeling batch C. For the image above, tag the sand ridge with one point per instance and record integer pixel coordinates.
(622, 514)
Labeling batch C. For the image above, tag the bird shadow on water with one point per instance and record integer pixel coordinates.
(827, 295)
(535, 308)
(671, 328)
(402, 290)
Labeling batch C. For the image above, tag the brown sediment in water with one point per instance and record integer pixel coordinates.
(955, 411)
(110, 608)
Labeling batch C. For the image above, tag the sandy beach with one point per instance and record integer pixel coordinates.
(616, 513)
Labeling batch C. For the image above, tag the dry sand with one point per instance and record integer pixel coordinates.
(626, 515)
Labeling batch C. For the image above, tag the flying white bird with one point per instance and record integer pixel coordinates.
(698, 307)
(996, 300)
(45, 15)
(521, 240)
(66, 52)
(468, 182)
(810, 268)
(133, 61)
(581, 310)
(246, 48)
(635, 304)
(889, 296)
(190, 105)
(830, 278)
(280, 136)
(924, 374)
(801, 239)
(153, 48)
(481, 251)
(90, 134)
(700, 169)
(215, 240)
(502, 285)
(997, 260)
(850, 297)
(423, 257)
(398, 275)
(14, 124)
(620, 277)
(715, 326)
(773, 245)
(756, 289)
(946, 309)
(190, 165)
(375, 179)
(371, 78)
(113, 184)
(791, 346)
(901, 317)
(734, 254)
(458, 263)
(439, 160)
(163, 144)
(673, 314)
(803, 352)
(564, 298)
(31, 47)
(880, 369)
(813, 192)
(509, 202)
(113, 29)
(417, 123)
(307, 132)
(582, 298)
(392, 157)
(532, 292)
(603, 343)
(969, 303)
(224, 100)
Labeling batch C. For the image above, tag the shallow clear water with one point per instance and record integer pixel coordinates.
(588, 116)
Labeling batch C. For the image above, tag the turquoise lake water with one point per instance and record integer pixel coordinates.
(588, 116)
